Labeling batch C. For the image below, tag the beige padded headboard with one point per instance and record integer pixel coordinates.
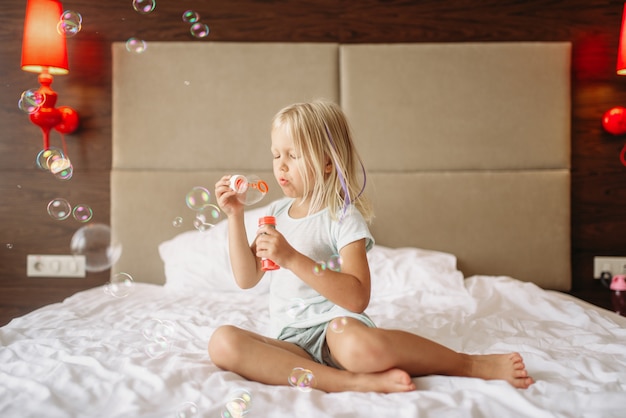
(467, 145)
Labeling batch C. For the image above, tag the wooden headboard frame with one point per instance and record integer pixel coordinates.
(467, 145)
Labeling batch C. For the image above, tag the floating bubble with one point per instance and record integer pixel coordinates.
(157, 329)
(70, 23)
(144, 6)
(158, 348)
(334, 263)
(319, 267)
(9, 246)
(45, 156)
(198, 198)
(60, 166)
(201, 224)
(59, 209)
(66, 173)
(189, 16)
(57, 162)
(199, 30)
(120, 285)
(31, 100)
(338, 325)
(158, 332)
(72, 15)
(136, 46)
(238, 404)
(95, 243)
(82, 213)
(187, 410)
(26, 107)
(177, 222)
(212, 212)
(302, 379)
(34, 97)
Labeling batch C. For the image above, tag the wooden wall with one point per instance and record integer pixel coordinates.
(599, 179)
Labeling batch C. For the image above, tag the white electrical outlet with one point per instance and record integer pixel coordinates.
(614, 265)
(55, 265)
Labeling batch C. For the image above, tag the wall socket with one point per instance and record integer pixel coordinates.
(55, 265)
(614, 265)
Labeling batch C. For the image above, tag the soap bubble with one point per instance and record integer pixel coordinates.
(334, 263)
(135, 45)
(95, 243)
(187, 410)
(302, 379)
(207, 218)
(120, 285)
(59, 209)
(60, 166)
(213, 213)
(338, 325)
(177, 222)
(26, 107)
(70, 23)
(158, 348)
(319, 267)
(46, 156)
(189, 16)
(238, 404)
(197, 198)
(144, 6)
(158, 332)
(55, 161)
(82, 212)
(199, 30)
(73, 16)
(156, 329)
(31, 100)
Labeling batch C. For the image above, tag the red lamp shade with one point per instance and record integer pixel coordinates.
(43, 48)
(621, 52)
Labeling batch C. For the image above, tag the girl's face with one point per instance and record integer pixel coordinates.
(286, 164)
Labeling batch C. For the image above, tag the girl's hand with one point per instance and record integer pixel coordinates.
(227, 197)
(272, 244)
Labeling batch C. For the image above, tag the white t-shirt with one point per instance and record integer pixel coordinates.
(293, 303)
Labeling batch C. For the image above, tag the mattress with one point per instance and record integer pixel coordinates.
(131, 349)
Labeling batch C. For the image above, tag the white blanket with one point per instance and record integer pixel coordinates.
(145, 355)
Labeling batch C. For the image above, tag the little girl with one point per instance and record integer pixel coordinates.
(325, 214)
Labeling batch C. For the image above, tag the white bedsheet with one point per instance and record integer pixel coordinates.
(89, 357)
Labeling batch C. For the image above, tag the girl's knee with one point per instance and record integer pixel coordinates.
(361, 351)
(223, 345)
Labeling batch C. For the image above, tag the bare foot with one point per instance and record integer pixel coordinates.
(393, 380)
(509, 367)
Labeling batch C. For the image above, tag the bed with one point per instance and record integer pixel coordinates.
(467, 151)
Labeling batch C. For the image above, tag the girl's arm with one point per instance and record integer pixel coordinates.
(350, 288)
(246, 267)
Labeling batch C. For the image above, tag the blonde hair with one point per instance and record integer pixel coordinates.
(320, 132)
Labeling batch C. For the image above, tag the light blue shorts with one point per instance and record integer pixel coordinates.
(313, 341)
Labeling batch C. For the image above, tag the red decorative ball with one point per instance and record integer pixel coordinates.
(69, 120)
(614, 120)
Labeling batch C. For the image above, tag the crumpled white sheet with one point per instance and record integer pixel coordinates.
(89, 357)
